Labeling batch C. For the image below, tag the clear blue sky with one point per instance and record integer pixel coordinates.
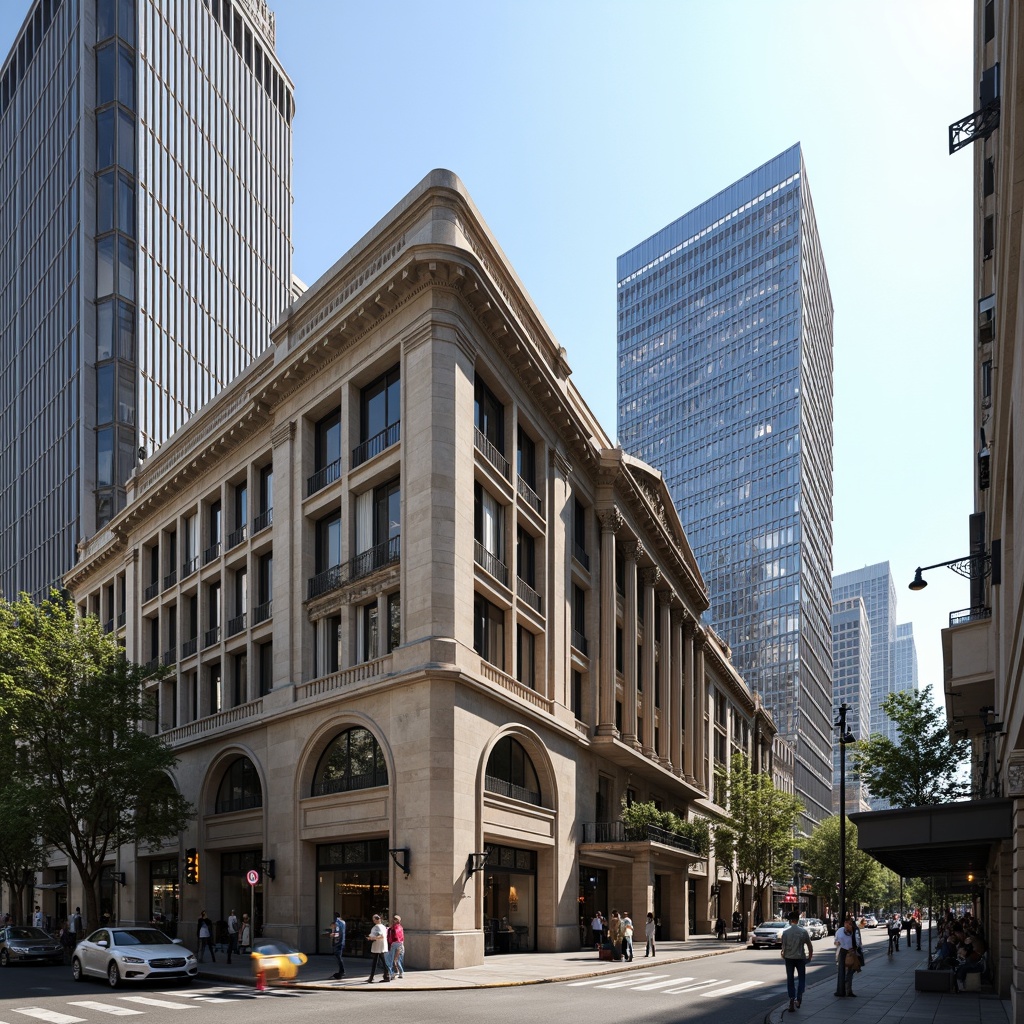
(582, 127)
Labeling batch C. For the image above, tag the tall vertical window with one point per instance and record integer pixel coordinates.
(265, 661)
(379, 416)
(526, 458)
(265, 515)
(213, 527)
(579, 533)
(190, 542)
(489, 533)
(328, 542)
(489, 631)
(326, 453)
(579, 619)
(378, 528)
(489, 416)
(241, 510)
(526, 668)
(394, 636)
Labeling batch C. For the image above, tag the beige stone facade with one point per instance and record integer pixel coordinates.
(421, 614)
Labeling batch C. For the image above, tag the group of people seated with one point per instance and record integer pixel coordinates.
(961, 948)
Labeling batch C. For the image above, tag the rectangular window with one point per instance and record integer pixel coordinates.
(489, 522)
(328, 645)
(579, 533)
(489, 631)
(489, 416)
(577, 695)
(526, 458)
(526, 657)
(328, 441)
(265, 659)
(369, 632)
(328, 542)
(394, 621)
(379, 416)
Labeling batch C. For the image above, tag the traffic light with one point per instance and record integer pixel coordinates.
(192, 866)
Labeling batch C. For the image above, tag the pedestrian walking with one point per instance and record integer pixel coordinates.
(338, 944)
(597, 927)
(75, 924)
(378, 947)
(795, 939)
(37, 917)
(245, 935)
(848, 952)
(627, 937)
(892, 927)
(908, 923)
(204, 937)
(615, 935)
(737, 924)
(649, 930)
(396, 948)
(917, 930)
(232, 934)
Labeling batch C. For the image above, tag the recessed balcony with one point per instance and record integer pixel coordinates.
(375, 445)
(323, 477)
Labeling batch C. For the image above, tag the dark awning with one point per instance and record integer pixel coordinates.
(950, 840)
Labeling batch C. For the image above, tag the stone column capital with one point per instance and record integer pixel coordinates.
(611, 519)
(632, 550)
(650, 576)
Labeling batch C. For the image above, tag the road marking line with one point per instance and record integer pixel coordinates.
(118, 1011)
(574, 984)
(630, 981)
(202, 997)
(735, 988)
(146, 1001)
(700, 984)
(49, 1015)
(662, 984)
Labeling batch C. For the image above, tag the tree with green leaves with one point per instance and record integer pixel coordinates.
(21, 851)
(758, 838)
(924, 766)
(71, 705)
(864, 881)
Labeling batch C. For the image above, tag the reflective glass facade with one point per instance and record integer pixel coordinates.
(851, 685)
(145, 247)
(725, 385)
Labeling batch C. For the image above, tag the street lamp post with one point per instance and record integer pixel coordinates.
(845, 736)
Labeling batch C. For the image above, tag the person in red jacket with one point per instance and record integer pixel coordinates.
(396, 948)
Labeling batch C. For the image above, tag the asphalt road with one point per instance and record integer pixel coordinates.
(740, 986)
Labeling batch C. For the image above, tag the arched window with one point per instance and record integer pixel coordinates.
(510, 772)
(240, 788)
(353, 760)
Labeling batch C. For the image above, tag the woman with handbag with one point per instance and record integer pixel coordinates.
(848, 956)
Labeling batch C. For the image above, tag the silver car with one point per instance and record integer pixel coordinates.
(132, 954)
(768, 934)
(815, 928)
(22, 945)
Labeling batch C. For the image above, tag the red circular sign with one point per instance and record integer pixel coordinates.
(253, 877)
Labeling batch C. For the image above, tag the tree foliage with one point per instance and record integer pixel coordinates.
(637, 816)
(924, 766)
(759, 834)
(71, 705)
(865, 883)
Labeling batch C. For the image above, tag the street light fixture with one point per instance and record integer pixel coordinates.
(970, 567)
(845, 736)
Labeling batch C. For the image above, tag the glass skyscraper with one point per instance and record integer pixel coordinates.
(851, 685)
(145, 247)
(725, 385)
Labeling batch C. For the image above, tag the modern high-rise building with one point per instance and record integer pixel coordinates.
(725, 385)
(893, 650)
(851, 685)
(145, 247)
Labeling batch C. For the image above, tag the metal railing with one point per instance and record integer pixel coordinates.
(212, 552)
(151, 591)
(492, 784)
(189, 647)
(170, 657)
(322, 477)
(528, 595)
(189, 567)
(581, 555)
(170, 579)
(965, 615)
(236, 537)
(493, 456)
(121, 619)
(326, 581)
(375, 445)
(236, 625)
(616, 832)
(529, 495)
(579, 641)
(262, 612)
(108, 626)
(262, 521)
(491, 563)
(377, 557)
(211, 637)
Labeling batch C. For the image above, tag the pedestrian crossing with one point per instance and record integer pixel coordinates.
(674, 985)
(132, 1005)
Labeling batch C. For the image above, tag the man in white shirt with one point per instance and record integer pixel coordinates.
(232, 934)
(378, 947)
(37, 918)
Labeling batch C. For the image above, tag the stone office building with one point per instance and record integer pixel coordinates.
(428, 627)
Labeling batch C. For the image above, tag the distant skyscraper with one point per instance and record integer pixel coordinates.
(893, 651)
(851, 685)
(145, 247)
(725, 385)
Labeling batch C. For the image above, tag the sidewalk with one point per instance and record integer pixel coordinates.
(884, 989)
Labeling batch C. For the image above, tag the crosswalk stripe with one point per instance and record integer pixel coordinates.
(51, 1016)
(735, 988)
(574, 984)
(628, 982)
(700, 984)
(118, 1011)
(661, 984)
(146, 1001)
(202, 997)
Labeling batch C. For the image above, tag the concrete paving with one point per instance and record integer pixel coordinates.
(884, 990)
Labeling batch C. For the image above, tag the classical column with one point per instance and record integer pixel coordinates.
(665, 677)
(690, 699)
(701, 688)
(633, 552)
(650, 577)
(611, 521)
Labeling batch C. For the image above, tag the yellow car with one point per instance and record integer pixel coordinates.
(275, 959)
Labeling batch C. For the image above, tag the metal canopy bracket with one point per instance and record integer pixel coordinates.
(979, 125)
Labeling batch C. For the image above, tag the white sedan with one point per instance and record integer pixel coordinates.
(132, 954)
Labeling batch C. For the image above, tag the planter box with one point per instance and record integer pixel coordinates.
(933, 981)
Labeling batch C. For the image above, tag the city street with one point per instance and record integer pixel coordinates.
(741, 984)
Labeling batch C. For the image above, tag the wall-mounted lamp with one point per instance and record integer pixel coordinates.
(400, 855)
(970, 567)
(477, 862)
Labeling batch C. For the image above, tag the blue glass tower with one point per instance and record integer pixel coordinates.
(725, 385)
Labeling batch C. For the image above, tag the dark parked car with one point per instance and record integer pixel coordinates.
(24, 945)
